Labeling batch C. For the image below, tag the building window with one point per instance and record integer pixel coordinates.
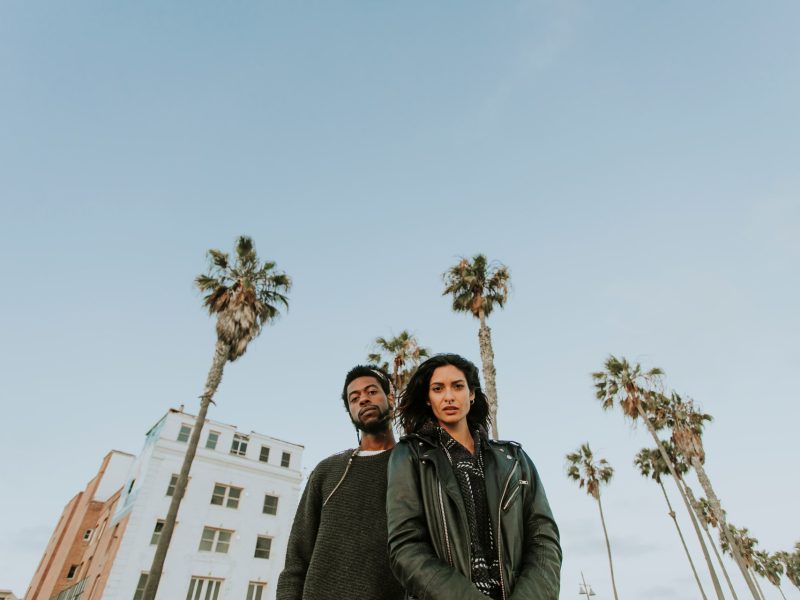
(87, 535)
(215, 540)
(137, 595)
(255, 590)
(239, 445)
(226, 495)
(201, 588)
(173, 481)
(286, 458)
(72, 570)
(270, 505)
(263, 546)
(156, 533)
(184, 433)
(213, 438)
(264, 456)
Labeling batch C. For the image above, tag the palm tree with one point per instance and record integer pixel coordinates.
(590, 475)
(743, 546)
(652, 465)
(707, 519)
(791, 564)
(638, 393)
(770, 567)
(478, 286)
(687, 429)
(405, 354)
(244, 295)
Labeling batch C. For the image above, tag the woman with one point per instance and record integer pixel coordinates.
(467, 516)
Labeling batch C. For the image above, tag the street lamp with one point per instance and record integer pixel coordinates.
(585, 589)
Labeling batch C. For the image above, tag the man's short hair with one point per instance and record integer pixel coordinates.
(366, 371)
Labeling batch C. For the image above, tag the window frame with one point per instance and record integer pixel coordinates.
(188, 429)
(140, 585)
(264, 505)
(239, 444)
(156, 535)
(261, 455)
(200, 586)
(226, 499)
(259, 538)
(216, 540)
(286, 459)
(171, 485)
(256, 590)
(209, 445)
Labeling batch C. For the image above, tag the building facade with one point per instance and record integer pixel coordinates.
(234, 521)
(81, 543)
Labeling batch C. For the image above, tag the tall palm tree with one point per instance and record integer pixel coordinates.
(638, 393)
(245, 295)
(590, 474)
(404, 353)
(651, 465)
(477, 286)
(687, 429)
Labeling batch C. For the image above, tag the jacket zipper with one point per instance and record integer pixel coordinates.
(499, 527)
(444, 522)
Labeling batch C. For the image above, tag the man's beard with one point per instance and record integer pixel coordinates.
(379, 425)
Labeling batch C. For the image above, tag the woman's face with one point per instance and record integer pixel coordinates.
(449, 396)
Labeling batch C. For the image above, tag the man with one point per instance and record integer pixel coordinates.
(338, 544)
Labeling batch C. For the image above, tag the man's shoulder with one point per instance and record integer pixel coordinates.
(334, 461)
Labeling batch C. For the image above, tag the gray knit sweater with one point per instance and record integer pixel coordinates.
(339, 550)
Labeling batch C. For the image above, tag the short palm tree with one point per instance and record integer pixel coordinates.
(742, 548)
(640, 396)
(651, 464)
(770, 567)
(687, 430)
(403, 352)
(245, 295)
(791, 564)
(590, 474)
(477, 286)
(707, 519)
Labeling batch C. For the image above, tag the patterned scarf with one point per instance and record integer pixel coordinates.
(469, 471)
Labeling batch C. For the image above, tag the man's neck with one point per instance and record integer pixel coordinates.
(377, 441)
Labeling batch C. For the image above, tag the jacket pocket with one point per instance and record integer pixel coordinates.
(521, 484)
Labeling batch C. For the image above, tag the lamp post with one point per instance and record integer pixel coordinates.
(585, 589)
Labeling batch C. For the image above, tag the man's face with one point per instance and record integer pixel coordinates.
(369, 406)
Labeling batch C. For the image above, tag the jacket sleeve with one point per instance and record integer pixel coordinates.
(411, 554)
(540, 571)
(301, 542)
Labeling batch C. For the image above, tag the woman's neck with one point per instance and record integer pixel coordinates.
(460, 432)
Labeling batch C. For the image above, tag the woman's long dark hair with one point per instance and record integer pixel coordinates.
(413, 410)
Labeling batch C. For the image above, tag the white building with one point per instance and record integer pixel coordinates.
(234, 521)
(7, 595)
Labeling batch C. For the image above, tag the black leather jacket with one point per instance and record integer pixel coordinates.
(429, 549)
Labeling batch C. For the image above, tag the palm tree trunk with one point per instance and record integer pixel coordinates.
(781, 591)
(676, 477)
(683, 542)
(711, 541)
(608, 547)
(489, 372)
(717, 510)
(221, 351)
(755, 579)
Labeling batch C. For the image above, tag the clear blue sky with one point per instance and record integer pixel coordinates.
(634, 164)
